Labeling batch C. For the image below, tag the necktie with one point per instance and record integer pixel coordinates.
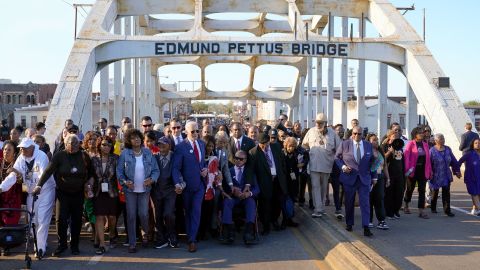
(269, 160)
(239, 175)
(238, 145)
(359, 154)
(178, 140)
(164, 162)
(195, 151)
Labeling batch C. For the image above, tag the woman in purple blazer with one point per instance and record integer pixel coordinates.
(472, 174)
(442, 160)
(418, 169)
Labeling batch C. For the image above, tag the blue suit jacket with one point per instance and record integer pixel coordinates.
(186, 166)
(345, 156)
(240, 183)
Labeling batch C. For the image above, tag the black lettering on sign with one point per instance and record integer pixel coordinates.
(171, 48)
(305, 48)
(250, 47)
(342, 49)
(241, 48)
(331, 49)
(183, 48)
(295, 48)
(231, 47)
(320, 49)
(159, 48)
(215, 48)
(279, 48)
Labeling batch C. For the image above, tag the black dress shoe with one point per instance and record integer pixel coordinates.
(59, 251)
(249, 235)
(266, 231)
(450, 214)
(40, 254)
(75, 251)
(291, 223)
(367, 232)
(275, 226)
(349, 228)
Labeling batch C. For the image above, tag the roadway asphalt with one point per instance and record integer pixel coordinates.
(280, 250)
(411, 243)
(440, 242)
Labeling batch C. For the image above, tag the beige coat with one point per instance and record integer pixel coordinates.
(322, 149)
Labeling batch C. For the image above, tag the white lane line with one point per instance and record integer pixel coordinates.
(463, 211)
(95, 259)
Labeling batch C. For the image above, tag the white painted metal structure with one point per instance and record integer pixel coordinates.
(97, 46)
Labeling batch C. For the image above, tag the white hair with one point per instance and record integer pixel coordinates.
(189, 125)
(71, 137)
(438, 136)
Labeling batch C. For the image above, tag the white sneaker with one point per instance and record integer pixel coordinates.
(473, 212)
(316, 215)
(370, 225)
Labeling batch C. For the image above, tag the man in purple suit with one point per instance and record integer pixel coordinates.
(189, 165)
(355, 157)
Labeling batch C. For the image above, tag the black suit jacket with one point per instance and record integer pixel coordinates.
(247, 144)
(258, 165)
(466, 139)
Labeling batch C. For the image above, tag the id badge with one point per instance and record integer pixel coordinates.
(293, 176)
(273, 171)
(104, 187)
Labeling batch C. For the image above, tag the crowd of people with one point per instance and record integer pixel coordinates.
(204, 181)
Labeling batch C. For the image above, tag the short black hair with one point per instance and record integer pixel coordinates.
(415, 131)
(129, 134)
(39, 125)
(151, 135)
(146, 118)
(113, 127)
(103, 120)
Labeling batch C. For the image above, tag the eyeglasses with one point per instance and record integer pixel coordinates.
(282, 119)
(149, 125)
(179, 127)
(239, 158)
(356, 133)
(195, 131)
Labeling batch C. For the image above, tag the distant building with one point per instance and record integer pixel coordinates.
(17, 95)
(474, 112)
(29, 116)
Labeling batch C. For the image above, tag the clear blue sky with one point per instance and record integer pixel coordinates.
(36, 37)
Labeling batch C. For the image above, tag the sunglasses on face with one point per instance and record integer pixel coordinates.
(149, 125)
(356, 133)
(179, 127)
(195, 131)
(239, 158)
(106, 144)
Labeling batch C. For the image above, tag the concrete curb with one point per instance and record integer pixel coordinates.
(341, 250)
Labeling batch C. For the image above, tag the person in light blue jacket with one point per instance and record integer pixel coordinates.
(137, 170)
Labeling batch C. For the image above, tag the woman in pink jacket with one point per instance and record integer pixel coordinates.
(418, 170)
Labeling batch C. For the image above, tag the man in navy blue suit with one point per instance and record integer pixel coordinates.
(355, 157)
(189, 165)
(241, 194)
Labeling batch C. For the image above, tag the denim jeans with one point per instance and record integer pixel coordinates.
(137, 204)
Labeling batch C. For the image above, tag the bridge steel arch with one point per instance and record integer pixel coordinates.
(398, 46)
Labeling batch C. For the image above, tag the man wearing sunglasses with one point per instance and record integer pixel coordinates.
(242, 194)
(189, 165)
(177, 135)
(355, 157)
(147, 125)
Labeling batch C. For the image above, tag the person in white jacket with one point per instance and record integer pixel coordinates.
(30, 164)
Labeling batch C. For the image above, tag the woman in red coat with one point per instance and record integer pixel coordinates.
(11, 198)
